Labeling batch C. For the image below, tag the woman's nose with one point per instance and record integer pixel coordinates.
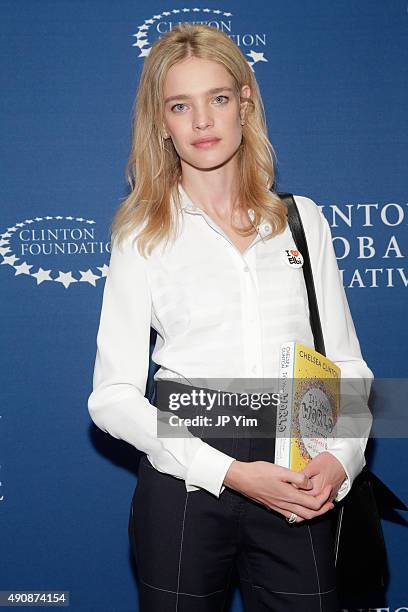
(202, 119)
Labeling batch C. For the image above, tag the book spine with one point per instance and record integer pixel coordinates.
(284, 412)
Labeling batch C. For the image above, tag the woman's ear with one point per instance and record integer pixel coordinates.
(245, 93)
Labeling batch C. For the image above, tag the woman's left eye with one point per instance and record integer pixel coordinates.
(225, 97)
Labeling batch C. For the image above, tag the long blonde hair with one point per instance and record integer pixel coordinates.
(153, 169)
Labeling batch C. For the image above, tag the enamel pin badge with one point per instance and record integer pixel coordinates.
(293, 258)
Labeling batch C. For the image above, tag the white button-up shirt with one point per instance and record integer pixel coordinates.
(218, 314)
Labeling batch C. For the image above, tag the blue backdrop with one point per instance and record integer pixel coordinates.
(333, 78)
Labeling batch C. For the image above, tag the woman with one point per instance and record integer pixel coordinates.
(197, 254)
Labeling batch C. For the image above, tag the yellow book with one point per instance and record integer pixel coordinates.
(309, 387)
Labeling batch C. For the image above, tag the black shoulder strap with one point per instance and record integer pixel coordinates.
(298, 233)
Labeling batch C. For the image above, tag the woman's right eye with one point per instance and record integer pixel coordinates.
(175, 106)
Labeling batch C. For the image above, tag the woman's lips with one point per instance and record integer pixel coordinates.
(206, 144)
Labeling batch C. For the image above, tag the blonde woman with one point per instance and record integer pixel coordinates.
(196, 254)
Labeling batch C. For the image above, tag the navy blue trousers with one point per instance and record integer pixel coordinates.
(187, 546)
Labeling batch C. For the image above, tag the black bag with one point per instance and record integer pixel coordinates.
(361, 558)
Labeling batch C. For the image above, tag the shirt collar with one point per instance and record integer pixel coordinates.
(187, 205)
(185, 201)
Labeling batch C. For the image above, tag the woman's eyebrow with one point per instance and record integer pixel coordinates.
(187, 96)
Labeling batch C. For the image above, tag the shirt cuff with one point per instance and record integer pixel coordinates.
(208, 470)
(343, 490)
(352, 464)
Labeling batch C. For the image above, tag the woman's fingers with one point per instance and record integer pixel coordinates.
(312, 502)
(320, 504)
(299, 479)
(301, 512)
(306, 513)
(287, 514)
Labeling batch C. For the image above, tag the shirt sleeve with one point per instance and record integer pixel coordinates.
(342, 347)
(117, 404)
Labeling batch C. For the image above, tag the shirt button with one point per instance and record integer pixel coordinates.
(246, 269)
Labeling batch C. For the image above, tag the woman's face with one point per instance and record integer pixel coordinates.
(203, 105)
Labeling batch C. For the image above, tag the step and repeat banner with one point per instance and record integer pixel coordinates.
(333, 79)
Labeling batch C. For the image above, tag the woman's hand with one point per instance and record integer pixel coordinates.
(279, 488)
(323, 470)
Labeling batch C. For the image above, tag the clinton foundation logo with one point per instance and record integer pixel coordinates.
(252, 44)
(63, 250)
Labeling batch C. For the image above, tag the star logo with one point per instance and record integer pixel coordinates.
(104, 270)
(42, 275)
(10, 260)
(66, 279)
(88, 277)
(256, 57)
(23, 268)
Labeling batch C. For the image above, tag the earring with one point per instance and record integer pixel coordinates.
(242, 121)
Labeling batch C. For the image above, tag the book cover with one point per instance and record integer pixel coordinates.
(309, 386)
